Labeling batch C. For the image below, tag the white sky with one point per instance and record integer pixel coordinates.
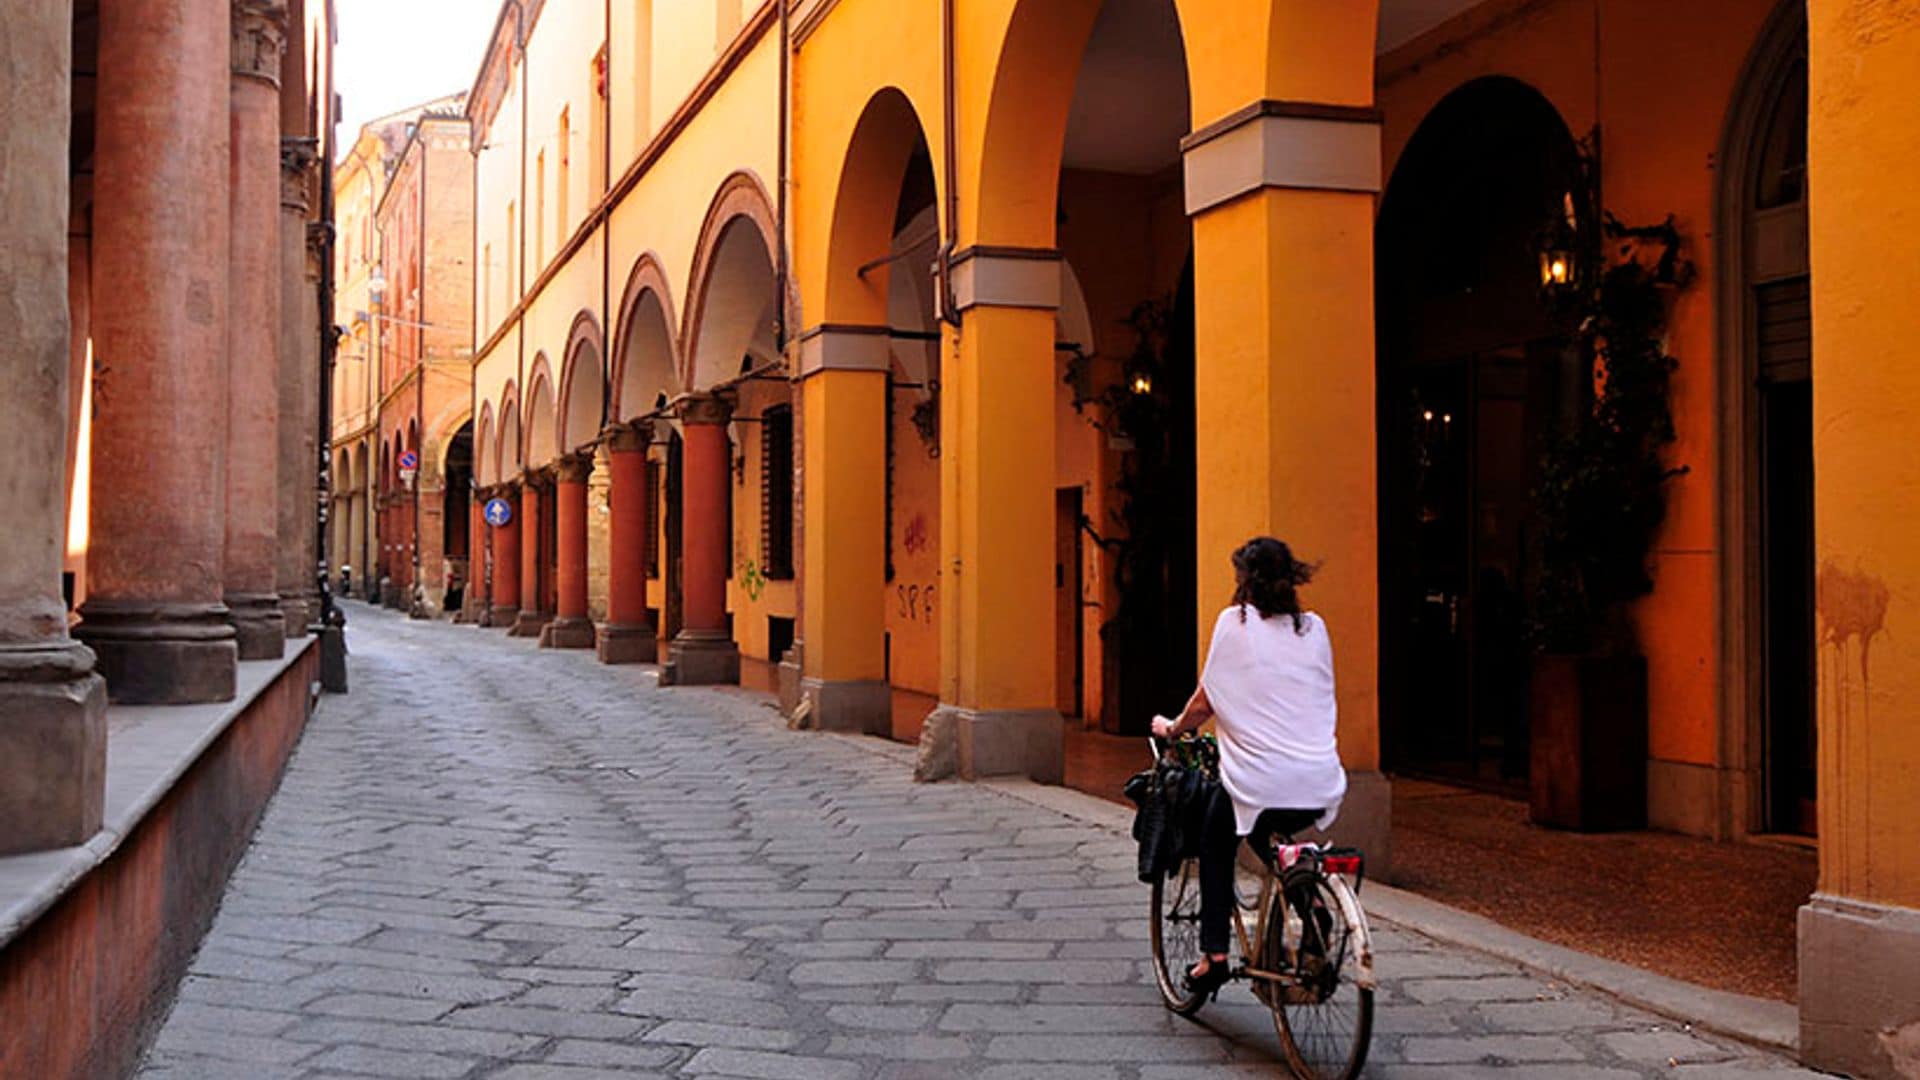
(396, 53)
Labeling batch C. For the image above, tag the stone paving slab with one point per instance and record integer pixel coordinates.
(491, 862)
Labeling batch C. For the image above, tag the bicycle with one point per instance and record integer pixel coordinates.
(1309, 953)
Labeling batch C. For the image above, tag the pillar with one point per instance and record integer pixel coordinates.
(997, 705)
(154, 613)
(703, 652)
(1860, 933)
(843, 402)
(253, 339)
(627, 637)
(1284, 391)
(298, 379)
(473, 604)
(505, 542)
(534, 502)
(571, 628)
(53, 731)
(427, 599)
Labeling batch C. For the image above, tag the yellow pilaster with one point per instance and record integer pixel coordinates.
(1860, 936)
(996, 582)
(844, 662)
(1285, 400)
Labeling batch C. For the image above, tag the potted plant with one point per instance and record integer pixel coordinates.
(1599, 504)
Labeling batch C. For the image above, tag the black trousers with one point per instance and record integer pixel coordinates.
(1220, 846)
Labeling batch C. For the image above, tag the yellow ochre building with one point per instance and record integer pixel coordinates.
(925, 360)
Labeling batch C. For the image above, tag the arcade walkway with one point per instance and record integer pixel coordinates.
(492, 862)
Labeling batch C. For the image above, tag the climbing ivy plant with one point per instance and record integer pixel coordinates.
(1602, 492)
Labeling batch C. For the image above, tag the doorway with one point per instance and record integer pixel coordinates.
(1475, 377)
(1770, 350)
(1069, 650)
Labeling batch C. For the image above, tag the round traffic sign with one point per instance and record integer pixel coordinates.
(499, 512)
(409, 459)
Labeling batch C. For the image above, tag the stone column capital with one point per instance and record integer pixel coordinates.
(628, 438)
(298, 158)
(540, 479)
(573, 468)
(259, 39)
(711, 408)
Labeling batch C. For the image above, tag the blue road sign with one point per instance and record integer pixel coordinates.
(409, 459)
(499, 512)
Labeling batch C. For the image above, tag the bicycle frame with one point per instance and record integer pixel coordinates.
(1257, 965)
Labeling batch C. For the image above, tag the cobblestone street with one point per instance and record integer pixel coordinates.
(488, 861)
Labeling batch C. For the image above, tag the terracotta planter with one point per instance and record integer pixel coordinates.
(1589, 737)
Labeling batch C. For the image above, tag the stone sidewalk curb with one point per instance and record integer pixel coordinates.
(1770, 1024)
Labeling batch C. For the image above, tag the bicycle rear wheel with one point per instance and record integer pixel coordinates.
(1175, 933)
(1324, 1016)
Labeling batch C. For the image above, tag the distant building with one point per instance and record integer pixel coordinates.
(404, 381)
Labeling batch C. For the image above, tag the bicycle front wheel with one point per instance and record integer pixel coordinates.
(1324, 1013)
(1175, 934)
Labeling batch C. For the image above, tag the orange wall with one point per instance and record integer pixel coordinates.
(1863, 65)
(912, 599)
(1658, 79)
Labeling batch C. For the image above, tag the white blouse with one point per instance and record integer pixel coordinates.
(1271, 689)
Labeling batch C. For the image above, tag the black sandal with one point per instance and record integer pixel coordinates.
(1207, 985)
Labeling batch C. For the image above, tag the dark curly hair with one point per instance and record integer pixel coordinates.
(1267, 578)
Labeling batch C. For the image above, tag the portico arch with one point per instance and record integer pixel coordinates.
(541, 444)
(864, 371)
(734, 307)
(486, 461)
(646, 358)
(583, 385)
(506, 450)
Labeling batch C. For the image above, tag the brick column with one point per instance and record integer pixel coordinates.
(627, 637)
(298, 379)
(155, 565)
(704, 651)
(53, 732)
(534, 500)
(571, 629)
(505, 540)
(253, 290)
(473, 605)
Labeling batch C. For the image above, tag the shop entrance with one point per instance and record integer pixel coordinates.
(1475, 375)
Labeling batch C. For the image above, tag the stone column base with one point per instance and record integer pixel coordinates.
(1860, 987)
(501, 616)
(161, 654)
(701, 658)
(567, 633)
(259, 625)
(529, 624)
(862, 708)
(620, 644)
(787, 682)
(299, 612)
(971, 743)
(53, 746)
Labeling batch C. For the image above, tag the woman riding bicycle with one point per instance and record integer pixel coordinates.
(1268, 687)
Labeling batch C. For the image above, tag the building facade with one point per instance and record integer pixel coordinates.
(167, 244)
(951, 371)
(404, 316)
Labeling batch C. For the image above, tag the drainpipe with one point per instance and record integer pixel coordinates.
(333, 647)
(520, 257)
(780, 269)
(606, 220)
(420, 364)
(948, 92)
